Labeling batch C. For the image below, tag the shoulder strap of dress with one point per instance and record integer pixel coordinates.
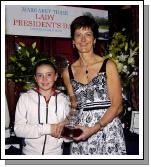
(103, 67)
(70, 72)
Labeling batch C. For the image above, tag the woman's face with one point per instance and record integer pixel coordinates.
(45, 77)
(84, 40)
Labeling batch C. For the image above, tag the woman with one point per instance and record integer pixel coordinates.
(93, 86)
(40, 113)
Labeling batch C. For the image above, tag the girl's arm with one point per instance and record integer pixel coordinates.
(22, 126)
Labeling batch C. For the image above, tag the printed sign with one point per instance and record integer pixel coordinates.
(50, 21)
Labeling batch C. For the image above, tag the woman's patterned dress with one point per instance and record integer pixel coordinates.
(93, 102)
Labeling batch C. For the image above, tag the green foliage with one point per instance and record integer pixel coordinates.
(123, 52)
(20, 68)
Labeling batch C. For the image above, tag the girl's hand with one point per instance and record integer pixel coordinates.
(56, 129)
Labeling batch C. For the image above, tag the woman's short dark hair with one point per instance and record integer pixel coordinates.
(44, 62)
(84, 22)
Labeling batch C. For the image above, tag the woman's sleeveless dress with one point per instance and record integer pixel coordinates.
(93, 102)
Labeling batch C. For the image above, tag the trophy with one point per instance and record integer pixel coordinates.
(69, 130)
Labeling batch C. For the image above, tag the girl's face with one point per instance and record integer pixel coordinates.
(45, 77)
(84, 40)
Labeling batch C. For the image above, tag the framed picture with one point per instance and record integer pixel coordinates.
(134, 128)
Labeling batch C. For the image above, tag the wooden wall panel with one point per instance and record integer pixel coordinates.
(64, 47)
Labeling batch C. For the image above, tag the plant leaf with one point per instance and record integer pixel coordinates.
(19, 64)
(27, 53)
(22, 44)
(34, 45)
(32, 59)
(37, 50)
(136, 49)
(13, 58)
(126, 46)
(9, 75)
(23, 68)
(20, 80)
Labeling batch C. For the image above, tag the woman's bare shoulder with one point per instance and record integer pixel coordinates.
(99, 59)
(111, 67)
(111, 63)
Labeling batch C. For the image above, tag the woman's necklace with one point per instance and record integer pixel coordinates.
(87, 72)
(86, 68)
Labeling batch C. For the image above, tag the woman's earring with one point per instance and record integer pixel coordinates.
(73, 45)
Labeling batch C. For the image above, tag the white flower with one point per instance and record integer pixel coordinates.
(110, 55)
(119, 66)
(123, 29)
(123, 52)
(19, 48)
(132, 53)
(124, 69)
(129, 109)
(127, 72)
(135, 73)
(122, 57)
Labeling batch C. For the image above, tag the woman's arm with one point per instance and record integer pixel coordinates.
(114, 92)
(67, 82)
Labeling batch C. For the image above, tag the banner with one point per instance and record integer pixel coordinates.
(50, 21)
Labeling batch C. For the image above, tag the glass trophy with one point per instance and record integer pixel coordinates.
(69, 130)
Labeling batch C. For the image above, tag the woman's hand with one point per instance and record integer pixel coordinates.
(87, 131)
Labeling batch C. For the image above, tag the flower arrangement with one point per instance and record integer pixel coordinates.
(123, 53)
(20, 67)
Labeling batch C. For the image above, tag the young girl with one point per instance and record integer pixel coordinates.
(40, 113)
